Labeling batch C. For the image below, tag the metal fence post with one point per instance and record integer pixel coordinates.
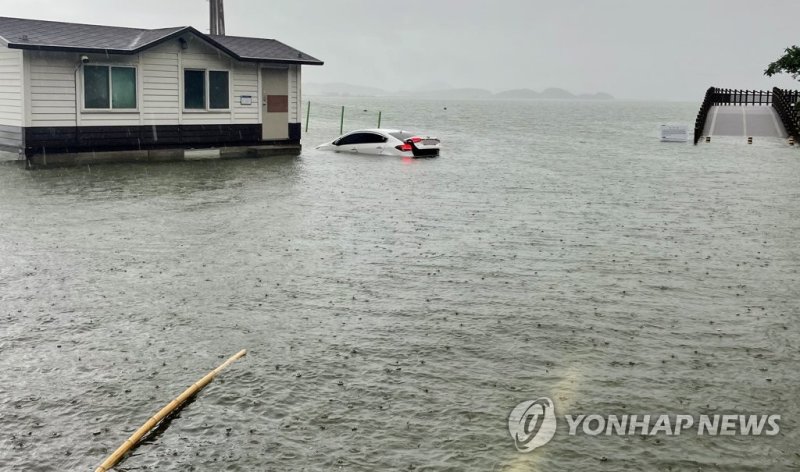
(308, 114)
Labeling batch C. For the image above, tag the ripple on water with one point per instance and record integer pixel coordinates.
(395, 312)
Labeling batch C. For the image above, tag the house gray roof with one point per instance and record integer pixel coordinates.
(18, 33)
(256, 48)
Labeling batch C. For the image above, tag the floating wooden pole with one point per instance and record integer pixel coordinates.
(163, 413)
(379, 118)
(341, 122)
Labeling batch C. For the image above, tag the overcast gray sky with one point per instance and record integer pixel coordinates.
(640, 49)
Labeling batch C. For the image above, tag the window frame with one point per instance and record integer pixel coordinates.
(206, 91)
(110, 108)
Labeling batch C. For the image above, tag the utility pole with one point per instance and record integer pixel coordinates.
(217, 17)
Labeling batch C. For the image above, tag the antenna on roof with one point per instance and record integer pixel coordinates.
(217, 17)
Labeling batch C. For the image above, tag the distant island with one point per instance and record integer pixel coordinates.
(339, 89)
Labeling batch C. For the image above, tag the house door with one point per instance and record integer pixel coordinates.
(274, 104)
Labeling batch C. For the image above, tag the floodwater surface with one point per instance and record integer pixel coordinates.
(395, 311)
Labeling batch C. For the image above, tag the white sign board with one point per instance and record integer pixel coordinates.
(674, 133)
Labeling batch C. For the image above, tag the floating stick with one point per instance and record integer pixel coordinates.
(132, 441)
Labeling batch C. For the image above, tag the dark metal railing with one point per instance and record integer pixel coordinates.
(785, 104)
(723, 97)
(742, 97)
(700, 122)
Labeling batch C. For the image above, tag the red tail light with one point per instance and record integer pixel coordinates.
(416, 139)
(403, 147)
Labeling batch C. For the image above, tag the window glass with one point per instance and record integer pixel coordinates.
(402, 135)
(123, 87)
(218, 95)
(194, 89)
(354, 138)
(372, 138)
(361, 138)
(95, 87)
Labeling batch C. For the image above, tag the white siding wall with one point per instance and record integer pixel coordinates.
(11, 96)
(52, 89)
(294, 94)
(201, 56)
(159, 91)
(245, 82)
(117, 117)
(160, 77)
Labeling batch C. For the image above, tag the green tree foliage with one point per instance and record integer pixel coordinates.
(788, 63)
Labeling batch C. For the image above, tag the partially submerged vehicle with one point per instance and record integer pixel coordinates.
(386, 142)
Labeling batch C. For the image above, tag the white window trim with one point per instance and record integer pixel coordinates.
(110, 91)
(207, 87)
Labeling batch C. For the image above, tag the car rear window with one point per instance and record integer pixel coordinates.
(402, 135)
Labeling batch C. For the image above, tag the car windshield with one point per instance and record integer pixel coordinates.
(402, 135)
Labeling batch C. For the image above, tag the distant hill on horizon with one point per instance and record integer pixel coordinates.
(450, 93)
(339, 89)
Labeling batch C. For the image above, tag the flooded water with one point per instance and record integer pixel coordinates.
(395, 311)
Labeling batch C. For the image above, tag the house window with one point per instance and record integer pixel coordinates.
(206, 90)
(194, 89)
(109, 87)
(218, 95)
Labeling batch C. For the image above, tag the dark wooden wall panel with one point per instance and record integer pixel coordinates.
(109, 138)
(294, 131)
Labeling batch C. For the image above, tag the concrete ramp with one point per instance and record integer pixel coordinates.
(744, 121)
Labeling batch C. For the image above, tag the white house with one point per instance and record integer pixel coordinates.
(71, 89)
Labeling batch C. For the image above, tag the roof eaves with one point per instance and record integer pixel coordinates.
(310, 62)
(174, 34)
(214, 43)
(49, 47)
(162, 39)
(149, 44)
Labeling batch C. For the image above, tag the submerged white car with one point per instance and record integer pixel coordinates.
(387, 142)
